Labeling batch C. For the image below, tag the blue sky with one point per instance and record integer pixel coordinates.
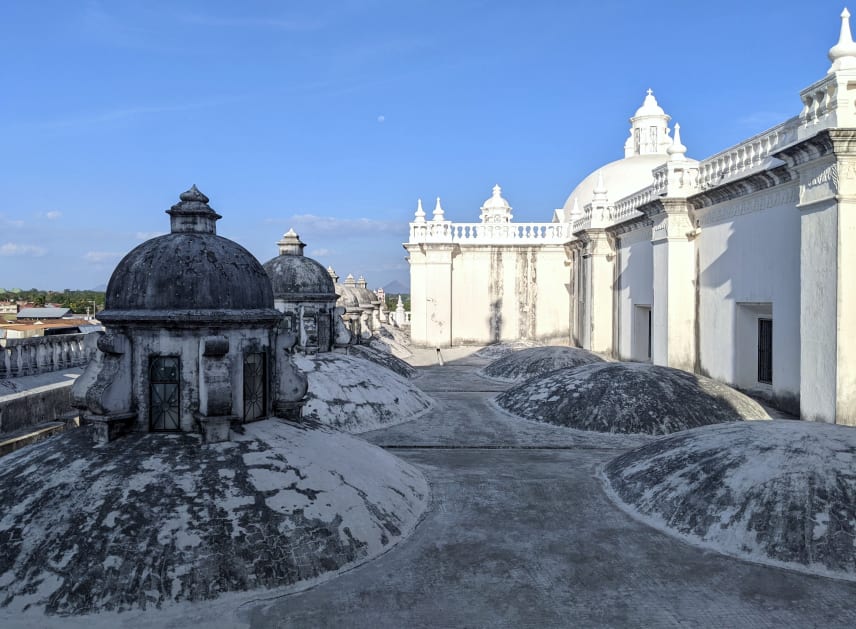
(333, 117)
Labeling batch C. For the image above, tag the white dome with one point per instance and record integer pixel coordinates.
(496, 209)
(649, 107)
(621, 178)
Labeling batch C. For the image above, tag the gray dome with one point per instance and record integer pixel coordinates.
(347, 296)
(190, 273)
(297, 278)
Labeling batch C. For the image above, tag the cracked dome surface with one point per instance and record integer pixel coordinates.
(156, 519)
(384, 359)
(535, 361)
(779, 492)
(628, 398)
(356, 395)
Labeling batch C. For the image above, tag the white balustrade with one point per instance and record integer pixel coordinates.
(746, 156)
(490, 233)
(41, 354)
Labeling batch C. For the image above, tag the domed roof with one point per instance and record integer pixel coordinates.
(347, 296)
(496, 208)
(295, 277)
(190, 274)
(365, 295)
(621, 178)
(649, 107)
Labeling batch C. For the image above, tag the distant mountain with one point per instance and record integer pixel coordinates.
(396, 288)
(100, 288)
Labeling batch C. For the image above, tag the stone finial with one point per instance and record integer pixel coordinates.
(290, 244)
(193, 214)
(333, 275)
(575, 210)
(843, 54)
(400, 303)
(677, 150)
(439, 214)
(361, 282)
(600, 191)
(419, 215)
(497, 191)
(193, 195)
(349, 281)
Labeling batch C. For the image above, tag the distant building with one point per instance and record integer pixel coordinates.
(43, 313)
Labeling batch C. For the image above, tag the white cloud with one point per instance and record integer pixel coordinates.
(18, 249)
(381, 118)
(11, 222)
(320, 252)
(147, 235)
(98, 257)
(53, 215)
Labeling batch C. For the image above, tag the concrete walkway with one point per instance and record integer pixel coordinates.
(520, 534)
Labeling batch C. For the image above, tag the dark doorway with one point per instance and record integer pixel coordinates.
(164, 393)
(765, 351)
(255, 386)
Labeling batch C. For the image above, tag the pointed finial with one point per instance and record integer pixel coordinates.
(599, 192)
(439, 214)
(650, 92)
(497, 191)
(575, 210)
(677, 150)
(193, 195)
(843, 54)
(419, 216)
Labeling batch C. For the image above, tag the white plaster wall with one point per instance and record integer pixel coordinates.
(819, 312)
(751, 258)
(507, 293)
(471, 296)
(553, 295)
(634, 286)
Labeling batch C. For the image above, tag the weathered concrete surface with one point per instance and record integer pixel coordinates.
(536, 361)
(524, 537)
(384, 358)
(781, 492)
(628, 398)
(154, 520)
(356, 395)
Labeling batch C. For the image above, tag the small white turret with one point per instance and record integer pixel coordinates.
(649, 129)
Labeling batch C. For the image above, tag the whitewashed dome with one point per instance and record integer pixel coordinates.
(650, 107)
(620, 178)
(645, 149)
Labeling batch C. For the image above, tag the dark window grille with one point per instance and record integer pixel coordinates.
(765, 351)
(649, 334)
(255, 386)
(164, 393)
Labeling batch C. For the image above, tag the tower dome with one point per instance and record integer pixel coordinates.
(190, 274)
(496, 209)
(295, 277)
